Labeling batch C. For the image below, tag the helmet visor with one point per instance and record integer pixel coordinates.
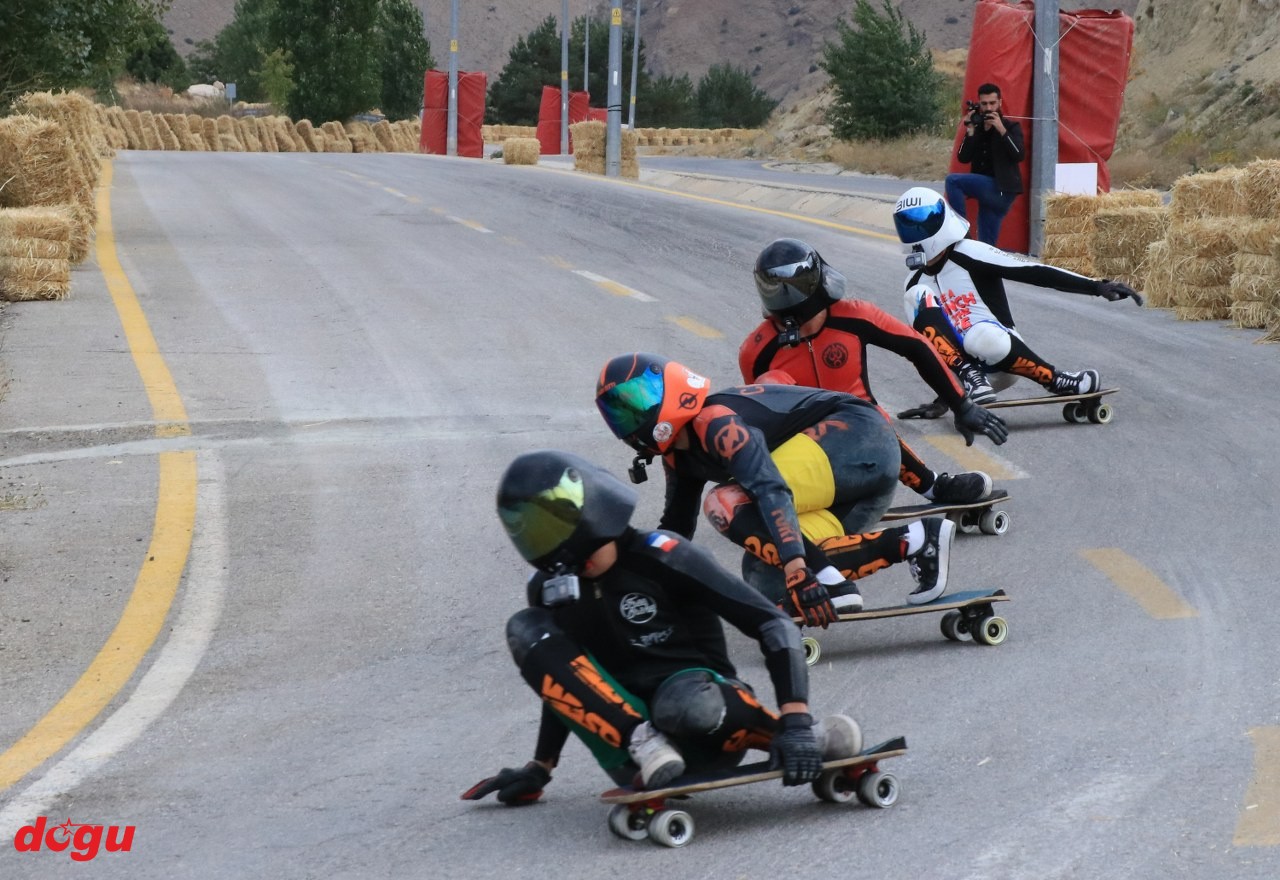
(541, 524)
(627, 406)
(921, 222)
(789, 284)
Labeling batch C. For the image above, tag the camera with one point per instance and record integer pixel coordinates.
(976, 116)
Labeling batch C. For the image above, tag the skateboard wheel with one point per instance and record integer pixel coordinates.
(834, 787)
(991, 630)
(627, 823)
(994, 522)
(671, 827)
(879, 790)
(1100, 414)
(968, 523)
(812, 650)
(1074, 412)
(949, 622)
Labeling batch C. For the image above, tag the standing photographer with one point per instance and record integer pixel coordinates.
(993, 147)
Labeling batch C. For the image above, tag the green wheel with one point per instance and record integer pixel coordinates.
(812, 650)
(991, 630)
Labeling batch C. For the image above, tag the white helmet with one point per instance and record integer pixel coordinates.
(927, 223)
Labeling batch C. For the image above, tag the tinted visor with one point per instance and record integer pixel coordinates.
(789, 284)
(920, 223)
(540, 525)
(628, 406)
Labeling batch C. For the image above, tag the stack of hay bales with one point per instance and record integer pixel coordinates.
(1125, 224)
(521, 151)
(1198, 254)
(35, 253)
(589, 149)
(1068, 227)
(336, 135)
(1255, 283)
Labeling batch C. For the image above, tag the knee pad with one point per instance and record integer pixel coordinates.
(526, 628)
(721, 506)
(917, 297)
(689, 704)
(988, 342)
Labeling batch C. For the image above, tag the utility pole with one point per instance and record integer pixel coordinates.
(613, 131)
(451, 134)
(586, 53)
(635, 70)
(564, 77)
(1044, 114)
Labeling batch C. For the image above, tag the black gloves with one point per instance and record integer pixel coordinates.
(1114, 290)
(515, 788)
(936, 409)
(795, 750)
(973, 419)
(808, 599)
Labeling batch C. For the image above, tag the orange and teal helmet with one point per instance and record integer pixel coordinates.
(646, 399)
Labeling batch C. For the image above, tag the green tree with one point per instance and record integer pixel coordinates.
(157, 61)
(276, 77)
(533, 62)
(668, 102)
(883, 75)
(726, 98)
(334, 47)
(238, 53)
(406, 57)
(63, 44)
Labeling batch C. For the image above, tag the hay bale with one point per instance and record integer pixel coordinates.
(265, 131)
(1259, 188)
(1071, 224)
(168, 140)
(1207, 194)
(210, 134)
(521, 151)
(307, 134)
(36, 162)
(247, 128)
(1127, 232)
(629, 168)
(1055, 246)
(337, 137)
(1157, 268)
(1255, 236)
(1258, 288)
(181, 131)
(38, 224)
(1209, 237)
(131, 122)
(229, 135)
(24, 279)
(150, 133)
(1261, 265)
(383, 134)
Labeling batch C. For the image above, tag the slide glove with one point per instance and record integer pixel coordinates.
(808, 600)
(515, 788)
(794, 749)
(1114, 290)
(972, 419)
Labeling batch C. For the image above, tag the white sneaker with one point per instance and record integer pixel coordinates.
(838, 736)
(657, 758)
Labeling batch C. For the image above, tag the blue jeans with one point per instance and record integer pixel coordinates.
(992, 204)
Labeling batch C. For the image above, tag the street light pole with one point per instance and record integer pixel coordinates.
(635, 70)
(564, 77)
(1044, 141)
(613, 131)
(451, 133)
(586, 53)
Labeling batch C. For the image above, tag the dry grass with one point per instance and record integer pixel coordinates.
(921, 157)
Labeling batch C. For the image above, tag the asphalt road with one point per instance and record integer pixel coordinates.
(291, 445)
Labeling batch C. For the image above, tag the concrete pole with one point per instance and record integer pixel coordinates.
(613, 131)
(586, 53)
(564, 77)
(1044, 113)
(635, 70)
(451, 134)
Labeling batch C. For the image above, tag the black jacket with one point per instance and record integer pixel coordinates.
(995, 155)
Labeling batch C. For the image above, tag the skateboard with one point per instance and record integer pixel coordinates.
(637, 813)
(968, 613)
(1077, 408)
(970, 517)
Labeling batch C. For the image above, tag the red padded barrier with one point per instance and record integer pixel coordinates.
(472, 86)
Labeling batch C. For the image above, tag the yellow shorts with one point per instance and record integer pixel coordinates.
(807, 471)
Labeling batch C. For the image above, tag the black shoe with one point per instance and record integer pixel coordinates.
(929, 564)
(1082, 382)
(961, 488)
(974, 380)
(845, 597)
(935, 410)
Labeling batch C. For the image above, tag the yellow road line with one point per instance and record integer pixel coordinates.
(1139, 583)
(973, 458)
(695, 327)
(157, 583)
(1259, 823)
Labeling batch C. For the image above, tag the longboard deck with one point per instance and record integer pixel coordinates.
(1050, 398)
(943, 603)
(915, 511)
(744, 775)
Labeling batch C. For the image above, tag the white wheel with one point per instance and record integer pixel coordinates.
(627, 823)
(879, 790)
(812, 650)
(990, 630)
(949, 621)
(994, 522)
(671, 827)
(1100, 414)
(834, 787)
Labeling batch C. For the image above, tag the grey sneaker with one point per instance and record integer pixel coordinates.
(845, 597)
(838, 737)
(1081, 382)
(961, 488)
(657, 758)
(929, 564)
(974, 380)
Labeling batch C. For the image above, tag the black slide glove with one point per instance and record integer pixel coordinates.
(515, 788)
(794, 749)
(1114, 290)
(973, 419)
(808, 599)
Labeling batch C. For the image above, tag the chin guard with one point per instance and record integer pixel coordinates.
(789, 335)
(636, 472)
